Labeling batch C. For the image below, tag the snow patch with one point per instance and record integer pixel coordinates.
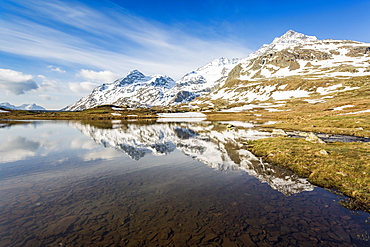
(117, 109)
(266, 106)
(357, 112)
(239, 124)
(342, 107)
(182, 115)
(279, 95)
(270, 122)
(314, 101)
(333, 88)
(180, 120)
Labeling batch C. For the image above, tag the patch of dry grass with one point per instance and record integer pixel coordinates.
(97, 113)
(346, 168)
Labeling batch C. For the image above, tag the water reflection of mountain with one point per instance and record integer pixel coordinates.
(217, 147)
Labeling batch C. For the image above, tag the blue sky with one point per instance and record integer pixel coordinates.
(52, 52)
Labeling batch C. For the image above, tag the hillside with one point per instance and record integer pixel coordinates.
(295, 66)
(292, 66)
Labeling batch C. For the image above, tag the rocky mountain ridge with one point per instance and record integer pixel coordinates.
(29, 107)
(292, 66)
(135, 89)
(138, 90)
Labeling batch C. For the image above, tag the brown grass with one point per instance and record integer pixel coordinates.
(346, 168)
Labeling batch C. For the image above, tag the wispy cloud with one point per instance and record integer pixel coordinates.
(98, 76)
(56, 69)
(48, 85)
(107, 39)
(16, 82)
(82, 87)
(47, 97)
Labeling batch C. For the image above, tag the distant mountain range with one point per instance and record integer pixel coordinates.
(292, 66)
(30, 107)
(138, 90)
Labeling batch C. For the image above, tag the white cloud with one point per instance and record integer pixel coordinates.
(16, 82)
(47, 97)
(110, 39)
(83, 143)
(106, 154)
(13, 76)
(48, 85)
(82, 87)
(56, 69)
(98, 76)
(17, 148)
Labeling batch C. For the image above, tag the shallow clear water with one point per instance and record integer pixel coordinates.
(165, 184)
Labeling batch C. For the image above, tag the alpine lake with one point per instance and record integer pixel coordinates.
(169, 183)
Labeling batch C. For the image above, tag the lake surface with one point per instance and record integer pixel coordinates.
(158, 184)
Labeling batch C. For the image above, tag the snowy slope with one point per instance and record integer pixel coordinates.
(203, 80)
(290, 66)
(298, 54)
(288, 39)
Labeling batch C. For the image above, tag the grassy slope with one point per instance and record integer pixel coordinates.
(98, 113)
(346, 167)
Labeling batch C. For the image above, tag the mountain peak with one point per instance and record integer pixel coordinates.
(135, 74)
(132, 77)
(291, 37)
(220, 61)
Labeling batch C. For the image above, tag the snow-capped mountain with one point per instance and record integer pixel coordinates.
(297, 54)
(279, 43)
(135, 89)
(203, 80)
(293, 65)
(29, 107)
(220, 150)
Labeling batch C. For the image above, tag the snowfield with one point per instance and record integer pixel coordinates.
(182, 115)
